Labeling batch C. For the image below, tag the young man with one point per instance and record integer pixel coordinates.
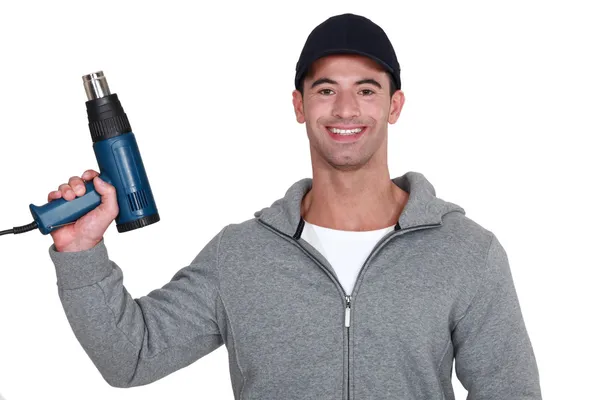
(351, 286)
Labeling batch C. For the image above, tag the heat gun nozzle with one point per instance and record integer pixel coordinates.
(95, 85)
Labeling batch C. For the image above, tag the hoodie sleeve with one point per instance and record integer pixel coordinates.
(494, 358)
(133, 342)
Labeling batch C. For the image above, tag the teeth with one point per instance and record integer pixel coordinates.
(346, 131)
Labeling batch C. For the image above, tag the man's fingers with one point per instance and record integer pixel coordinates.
(77, 185)
(67, 192)
(55, 194)
(89, 175)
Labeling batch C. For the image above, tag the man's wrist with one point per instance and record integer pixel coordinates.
(77, 246)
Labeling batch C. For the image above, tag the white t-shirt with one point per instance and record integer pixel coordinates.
(346, 251)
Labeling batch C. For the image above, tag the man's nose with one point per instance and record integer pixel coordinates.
(346, 105)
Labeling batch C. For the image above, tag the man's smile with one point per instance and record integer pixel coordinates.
(346, 133)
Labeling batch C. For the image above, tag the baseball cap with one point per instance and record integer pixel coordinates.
(348, 34)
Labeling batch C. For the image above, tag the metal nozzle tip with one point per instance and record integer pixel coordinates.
(95, 85)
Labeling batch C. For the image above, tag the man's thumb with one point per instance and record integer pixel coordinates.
(108, 194)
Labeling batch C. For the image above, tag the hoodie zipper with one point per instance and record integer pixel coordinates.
(347, 323)
(348, 298)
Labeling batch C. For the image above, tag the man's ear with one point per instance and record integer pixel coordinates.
(298, 106)
(397, 101)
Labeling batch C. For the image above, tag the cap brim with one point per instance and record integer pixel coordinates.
(304, 68)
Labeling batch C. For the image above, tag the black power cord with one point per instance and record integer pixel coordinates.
(20, 229)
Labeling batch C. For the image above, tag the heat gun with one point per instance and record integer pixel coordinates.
(119, 162)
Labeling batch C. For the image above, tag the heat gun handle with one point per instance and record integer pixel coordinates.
(59, 212)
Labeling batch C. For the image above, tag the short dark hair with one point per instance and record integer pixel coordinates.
(393, 87)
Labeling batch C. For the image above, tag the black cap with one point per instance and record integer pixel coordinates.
(348, 34)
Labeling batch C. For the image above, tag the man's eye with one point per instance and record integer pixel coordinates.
(367, 92)
(326, 92)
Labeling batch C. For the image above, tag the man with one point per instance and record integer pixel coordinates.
(350, 286)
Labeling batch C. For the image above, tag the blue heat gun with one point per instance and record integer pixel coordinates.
(119, 162)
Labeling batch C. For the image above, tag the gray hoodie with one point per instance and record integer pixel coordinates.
(435, 290)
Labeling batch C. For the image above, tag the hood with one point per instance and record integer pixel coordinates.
(422, 208)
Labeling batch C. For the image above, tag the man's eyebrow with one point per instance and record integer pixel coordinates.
(371, 81)
(323, 80)
(332, 82)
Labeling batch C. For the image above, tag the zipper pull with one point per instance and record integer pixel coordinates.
(347, 322)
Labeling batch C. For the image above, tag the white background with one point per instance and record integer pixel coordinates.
(501, 114)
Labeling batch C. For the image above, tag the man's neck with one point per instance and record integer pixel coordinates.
(356, 201)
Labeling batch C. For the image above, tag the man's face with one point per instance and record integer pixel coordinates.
(347, 94)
